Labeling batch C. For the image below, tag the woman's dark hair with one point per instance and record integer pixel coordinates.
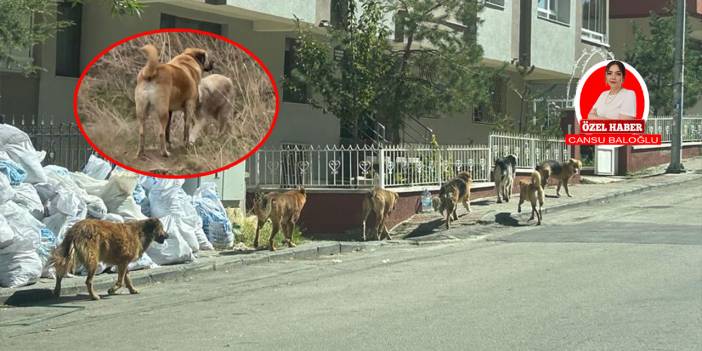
(621, 68)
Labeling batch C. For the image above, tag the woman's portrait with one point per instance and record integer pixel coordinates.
(616, 103)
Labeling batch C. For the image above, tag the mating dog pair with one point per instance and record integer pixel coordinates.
(93, 241)
(503, 174)
(451, 194)
(164, 88)
(283, 209)
(562, 172)
(533, 191)
(381, 203)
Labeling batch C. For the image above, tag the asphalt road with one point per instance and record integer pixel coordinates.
(623, 275)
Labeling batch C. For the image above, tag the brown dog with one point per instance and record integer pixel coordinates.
(381, 202)
(166, 87)
(94, 241)
(562, 172)
(283, 209)
(454, 192)
(534, 192)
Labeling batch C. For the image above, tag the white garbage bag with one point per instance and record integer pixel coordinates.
(144, 262)
(6, 233)
(113, 217)
(97, 168)
(25, 227)
(167, 198)
(174, 250)
(19, 268)
(27, 197)
(91, 185)
(19, 148)
(46, 246)
(7, 193)
(117, 195)
(215, 221)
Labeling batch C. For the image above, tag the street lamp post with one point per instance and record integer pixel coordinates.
(676, 165)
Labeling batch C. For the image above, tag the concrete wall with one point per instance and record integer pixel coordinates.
(18, 95)
(497, 23)
(633, 159)
(305, 10)
(553, 44)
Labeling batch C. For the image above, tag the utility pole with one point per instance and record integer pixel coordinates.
(676, 165)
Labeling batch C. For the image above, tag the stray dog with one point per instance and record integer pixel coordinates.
(94, 241)
(562, 171)
(215, 102)
(503, 173)
(381, 202)
(533, 191)
(166, 87)
(455, 191)
(283, 209)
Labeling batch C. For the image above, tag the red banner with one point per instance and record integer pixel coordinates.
(613, 139)
(614, 126)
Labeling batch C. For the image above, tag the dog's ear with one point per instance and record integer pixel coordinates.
(152, 225)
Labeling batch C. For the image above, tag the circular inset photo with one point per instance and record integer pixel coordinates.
(611, 90)
(176, 103)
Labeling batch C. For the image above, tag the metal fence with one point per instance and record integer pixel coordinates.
(529, 149)
(63, 142)
(663, 125)
(393, 165)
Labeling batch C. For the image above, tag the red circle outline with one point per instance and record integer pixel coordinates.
(176, 30)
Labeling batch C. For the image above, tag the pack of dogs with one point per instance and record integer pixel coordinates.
(178, 85)
(91, 241)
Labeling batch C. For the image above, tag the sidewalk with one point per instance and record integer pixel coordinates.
(421, 229)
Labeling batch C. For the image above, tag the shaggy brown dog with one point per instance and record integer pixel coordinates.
(166, 87)
(534, 192)
(561, 171)
(283, 209)
(381, 202)
(454, 192)
(95, 241)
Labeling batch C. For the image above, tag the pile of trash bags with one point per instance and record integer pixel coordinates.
(38, 204)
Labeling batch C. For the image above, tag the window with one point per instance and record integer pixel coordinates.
(490, 112)
(68, 40)
(169, 21)
(289, 94)
(555, 10)
(595, 21)
(337, 13)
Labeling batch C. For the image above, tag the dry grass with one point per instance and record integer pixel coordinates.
(107, 110)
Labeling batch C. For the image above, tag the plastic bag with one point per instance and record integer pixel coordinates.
(27, 197)
(7, 193)
(174, 250)
(215, 222)
(19, 268)
(47, 244)
(25, 227)
(91, 185)
(19, 148)
(117, 195)
(6, 233)
(167, 198)
(97, 168)
(14, 172)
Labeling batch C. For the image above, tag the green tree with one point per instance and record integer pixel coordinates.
(344, 72)
(652, 55)
(430, 70)
(26, 23)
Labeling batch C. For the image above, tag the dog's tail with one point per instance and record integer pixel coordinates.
(151, 54)
(301, 189)
(62, 257)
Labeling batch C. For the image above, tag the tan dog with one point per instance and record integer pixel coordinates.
(381, 202)
(562, 172)
(534, 192)
(94, 241)
(454, 192)
(166, 87)
(283, 209)
(215, 103)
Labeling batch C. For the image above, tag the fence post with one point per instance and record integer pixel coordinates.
(381, 167)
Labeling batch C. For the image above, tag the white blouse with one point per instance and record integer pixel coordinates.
(624, 102)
